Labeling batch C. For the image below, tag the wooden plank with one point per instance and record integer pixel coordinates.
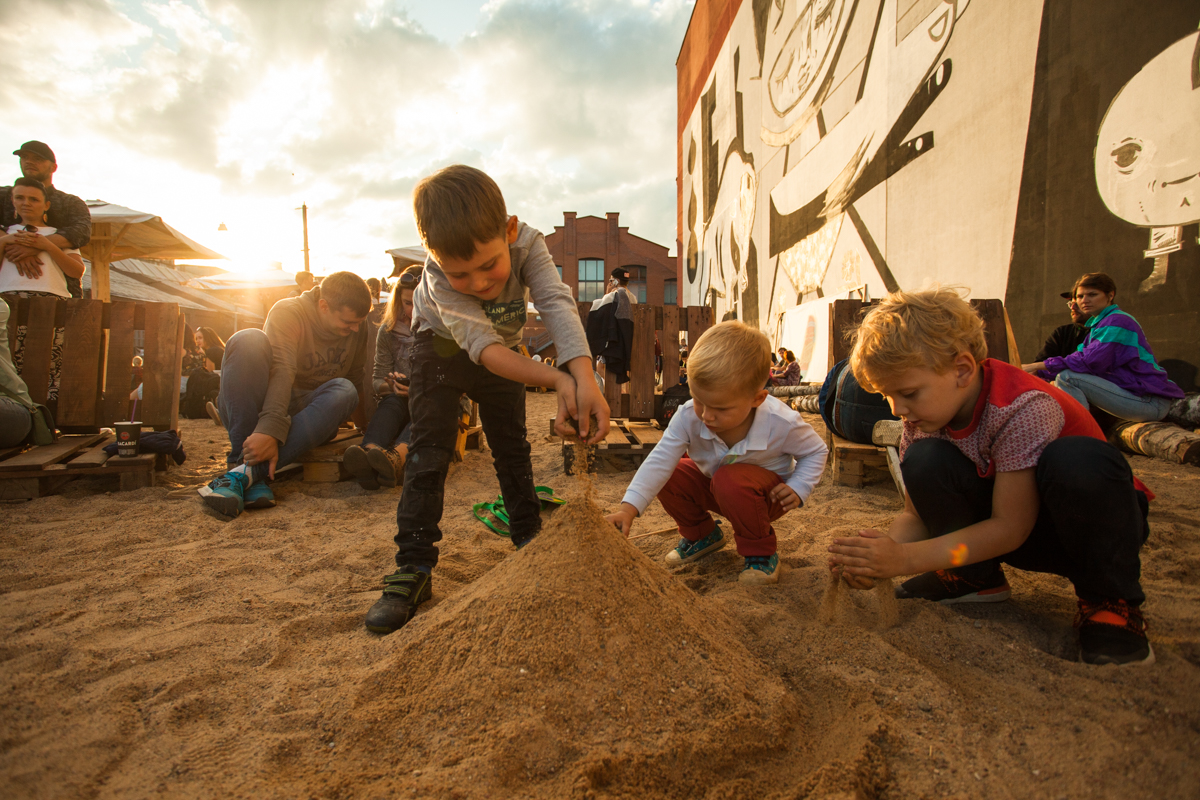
(120, 363)
(40, 457)
(669, 343)
(641, 383)
(177, 374)
(645, 432)
(5, 452)
(1014, 356)
(138, 479)
(322, 471)
(160, 367)
(843, 319)
(334, 449)
(700, 319)
(93, 457)
(36, 353)
(79, 385)
(612, 394)
(994, 330)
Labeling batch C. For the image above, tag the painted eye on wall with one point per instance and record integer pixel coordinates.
(1125, 156)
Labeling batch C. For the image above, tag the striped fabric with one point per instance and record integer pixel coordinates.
(1116, 349)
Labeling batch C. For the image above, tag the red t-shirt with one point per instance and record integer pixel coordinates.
(1016, 416)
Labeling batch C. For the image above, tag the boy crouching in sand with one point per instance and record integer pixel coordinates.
(999, 466)
(468, 313)
(732, 449)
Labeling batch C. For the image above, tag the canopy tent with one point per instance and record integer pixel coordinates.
(267, 279)
(119, 233)
(403, 257)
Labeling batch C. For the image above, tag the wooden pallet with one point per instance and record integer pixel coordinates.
(40, 471)
(624, 448)
(850, 460)
(324, 464)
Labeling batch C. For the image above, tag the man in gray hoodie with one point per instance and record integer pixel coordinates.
(287, 388)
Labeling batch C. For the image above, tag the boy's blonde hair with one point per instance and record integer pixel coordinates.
(732, 355)
(456, 209)
(915, 330)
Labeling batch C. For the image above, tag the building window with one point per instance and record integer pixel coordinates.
(670, 292)
(559, 268)
(637, 283)
(591, 279)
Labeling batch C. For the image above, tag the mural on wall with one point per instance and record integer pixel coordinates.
(1148, 153)
(842, 147)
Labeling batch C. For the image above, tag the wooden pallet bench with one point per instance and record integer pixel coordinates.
(849, 460)
(624, 448)
(39, 471)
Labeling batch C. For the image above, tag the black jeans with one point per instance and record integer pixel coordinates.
(441, 371)
(1090, 526)
(387, 427)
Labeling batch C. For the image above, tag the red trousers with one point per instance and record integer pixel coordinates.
(737, 492)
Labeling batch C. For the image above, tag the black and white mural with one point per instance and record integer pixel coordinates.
(860, 146)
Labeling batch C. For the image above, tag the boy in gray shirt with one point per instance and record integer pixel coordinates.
(468, 313)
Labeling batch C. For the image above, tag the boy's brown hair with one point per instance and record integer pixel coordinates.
(732, 355)
(345, 290)
(456, 209)
(915, 330)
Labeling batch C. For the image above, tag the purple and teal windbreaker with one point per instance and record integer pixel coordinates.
(1116, 349)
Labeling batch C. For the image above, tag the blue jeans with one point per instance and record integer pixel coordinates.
(391, 425)
(1091, 390)
(245, 373)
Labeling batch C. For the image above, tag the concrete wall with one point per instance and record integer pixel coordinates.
(1007, 146)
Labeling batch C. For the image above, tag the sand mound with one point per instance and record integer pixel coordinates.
(580, 662)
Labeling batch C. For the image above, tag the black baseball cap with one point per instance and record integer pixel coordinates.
(620, 273)
(37, 148)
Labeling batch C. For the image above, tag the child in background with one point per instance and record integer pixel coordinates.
(732, 449)
(468, 313)
(999, 466)
(380, 460)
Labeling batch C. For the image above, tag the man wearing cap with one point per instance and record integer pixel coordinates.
(68, 213)
(618, 280)
(610, 327)
(1065, 339)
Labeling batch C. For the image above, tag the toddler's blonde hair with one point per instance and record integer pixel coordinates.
(731, 354)
(915, 330)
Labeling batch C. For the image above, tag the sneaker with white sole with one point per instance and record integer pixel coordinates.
(687, 551)
(761, 570)
(947, 586)
(258, 495)
(214, 414)
(1112, 632)
(226, 494)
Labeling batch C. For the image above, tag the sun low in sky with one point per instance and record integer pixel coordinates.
(234, 112)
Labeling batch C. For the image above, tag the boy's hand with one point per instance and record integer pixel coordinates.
(623, 518)
(785, 497)
(871, 554)
(564, 387)
(589, 402)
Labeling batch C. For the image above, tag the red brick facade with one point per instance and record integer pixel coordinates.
(605, 239)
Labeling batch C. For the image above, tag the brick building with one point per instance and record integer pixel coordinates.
(586, 249)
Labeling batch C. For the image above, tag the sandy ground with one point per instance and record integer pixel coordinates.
(152, 648)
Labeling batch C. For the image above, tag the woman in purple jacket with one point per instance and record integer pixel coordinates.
(1114, 369)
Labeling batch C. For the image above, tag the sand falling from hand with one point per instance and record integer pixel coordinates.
(885, 596)
(577, 664)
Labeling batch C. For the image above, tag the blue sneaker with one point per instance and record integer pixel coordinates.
(686, 552)
(259, 495)
(226, 494)
(761, 570)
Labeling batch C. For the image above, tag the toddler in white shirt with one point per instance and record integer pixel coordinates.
(732, 449)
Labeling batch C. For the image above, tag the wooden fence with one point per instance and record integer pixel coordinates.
(663, 323)
(97, 362)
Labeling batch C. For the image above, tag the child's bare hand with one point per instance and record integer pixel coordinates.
(564, 388)
(623, 518)
(871, 554)
(589, 402)
(785, 497)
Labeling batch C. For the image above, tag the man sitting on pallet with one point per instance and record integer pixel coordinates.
(287, 388)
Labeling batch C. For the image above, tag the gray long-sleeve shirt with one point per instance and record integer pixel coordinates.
(475, 324)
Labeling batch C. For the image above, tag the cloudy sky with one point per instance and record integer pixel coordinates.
(236, 111)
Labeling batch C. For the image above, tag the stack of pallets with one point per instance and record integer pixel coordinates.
(42, 470)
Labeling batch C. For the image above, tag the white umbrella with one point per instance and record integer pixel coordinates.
(119, 233)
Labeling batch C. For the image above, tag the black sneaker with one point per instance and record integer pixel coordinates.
(1112, 632)
(947, 587)
(403, 591)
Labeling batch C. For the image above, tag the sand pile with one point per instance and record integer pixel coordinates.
(580, 664)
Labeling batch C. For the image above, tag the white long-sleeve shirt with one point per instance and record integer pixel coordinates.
(779, 440)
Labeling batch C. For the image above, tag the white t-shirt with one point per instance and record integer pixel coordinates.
(53, 280)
